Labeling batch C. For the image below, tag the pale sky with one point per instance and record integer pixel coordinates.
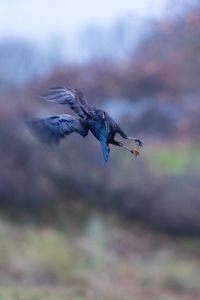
(45, 18)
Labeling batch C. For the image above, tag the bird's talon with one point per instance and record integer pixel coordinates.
(139, 143)
(135, 152)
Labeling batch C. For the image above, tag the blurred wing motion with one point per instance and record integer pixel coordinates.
(51, 130)
(73, 97)
(104, 143)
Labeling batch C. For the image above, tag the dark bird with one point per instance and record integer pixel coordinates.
(51, 130)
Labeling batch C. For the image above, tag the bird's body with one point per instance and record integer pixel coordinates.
(89, 119)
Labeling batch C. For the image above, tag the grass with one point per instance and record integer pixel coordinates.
(102, 260)
(174, 159)
(38, 294)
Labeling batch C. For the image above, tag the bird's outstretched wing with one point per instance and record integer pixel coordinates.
(104, 145)
(73, 97)
(51, 130)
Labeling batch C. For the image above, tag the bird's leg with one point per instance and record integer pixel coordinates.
(134, 151)
(123, 146)
(138, 142)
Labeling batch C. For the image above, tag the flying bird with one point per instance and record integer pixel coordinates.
(88, 118)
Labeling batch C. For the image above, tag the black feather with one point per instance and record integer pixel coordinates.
(73, 97)
(51, 130)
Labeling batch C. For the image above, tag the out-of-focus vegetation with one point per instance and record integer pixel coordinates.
(174, 159)
(97, 258)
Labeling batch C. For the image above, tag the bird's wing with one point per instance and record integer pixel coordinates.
(104, 145)
(51, 130)
(73, 97)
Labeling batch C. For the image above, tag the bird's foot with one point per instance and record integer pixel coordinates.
(135, 152)
(139, 143)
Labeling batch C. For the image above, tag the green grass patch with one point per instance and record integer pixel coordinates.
(102, 260)
(40, 294)
(174, 159)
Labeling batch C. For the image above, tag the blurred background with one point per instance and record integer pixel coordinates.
(70, 227)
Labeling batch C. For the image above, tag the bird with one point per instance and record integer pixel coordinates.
(87, 118)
